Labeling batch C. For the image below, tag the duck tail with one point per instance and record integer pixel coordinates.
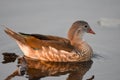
(18, 37)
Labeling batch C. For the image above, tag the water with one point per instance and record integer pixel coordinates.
(55, 17)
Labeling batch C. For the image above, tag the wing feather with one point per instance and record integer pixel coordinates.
(37, 41)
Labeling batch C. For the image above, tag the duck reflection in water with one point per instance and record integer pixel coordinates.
(36, 70)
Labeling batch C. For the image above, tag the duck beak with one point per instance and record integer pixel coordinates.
(91, 31)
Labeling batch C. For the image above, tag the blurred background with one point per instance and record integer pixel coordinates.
(54, 17)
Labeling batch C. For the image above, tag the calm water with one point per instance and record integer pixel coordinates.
(55, 17)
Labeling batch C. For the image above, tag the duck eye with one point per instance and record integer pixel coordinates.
(85, 26)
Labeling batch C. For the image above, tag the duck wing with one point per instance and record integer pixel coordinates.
(37, 41)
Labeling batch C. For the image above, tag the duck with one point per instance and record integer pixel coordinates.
(52, 48)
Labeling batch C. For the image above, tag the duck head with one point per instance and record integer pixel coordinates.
(77, 30)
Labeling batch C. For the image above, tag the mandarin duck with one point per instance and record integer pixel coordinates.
(54, 48)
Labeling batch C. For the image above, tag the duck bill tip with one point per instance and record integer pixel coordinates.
(91, 31)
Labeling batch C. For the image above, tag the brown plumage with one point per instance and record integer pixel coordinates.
(54, 48)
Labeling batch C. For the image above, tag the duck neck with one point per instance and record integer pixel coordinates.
(77, 39)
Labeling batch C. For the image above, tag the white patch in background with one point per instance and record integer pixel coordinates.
(109, 22)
